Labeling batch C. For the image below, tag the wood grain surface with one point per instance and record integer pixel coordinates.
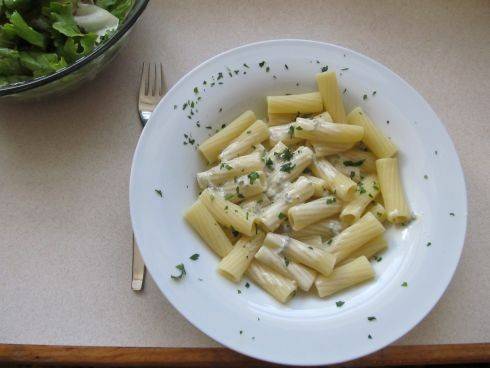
(220, 357)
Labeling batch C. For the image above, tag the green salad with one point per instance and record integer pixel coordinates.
(39, 37)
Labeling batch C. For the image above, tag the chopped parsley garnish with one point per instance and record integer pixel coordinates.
(375, 186)
(239, 291)
(364, 97)
(353, 163)
(361, 189)
(159, 193)
(253, 176)
(262, 63)
(451, 214)
(220, 109)
(352, 174)
(209, 127)
(426, 177)
(345, 91)
(286, 261)
(344, 69)
(429, 244)
(267, 69)
(194, 257)
(372, 318)
(246, 66)
(269, 163)
(286, 66)
(325, 68)
(247, 285)
(378, 258)
(374, 93)
(196, 90)
(331, 200)
(310, 248)
(181, 268)
(329, 241)
(287, 167)
(241, 332)
(281, 216)
(291, 131)
(285, 155)
(175, 107)
(435, 152)
(370, 337)
(387, 122)
(228, 197)
(339, 303)
(249, 132)
(220, 76)
(234, 232)
(226, 166)
(405, 284)
(184, 106)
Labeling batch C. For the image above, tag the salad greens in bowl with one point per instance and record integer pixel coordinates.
(49, 46)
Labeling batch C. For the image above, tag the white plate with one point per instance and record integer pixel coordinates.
(308, 330)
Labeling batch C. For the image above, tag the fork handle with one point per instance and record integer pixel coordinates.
(138, 268)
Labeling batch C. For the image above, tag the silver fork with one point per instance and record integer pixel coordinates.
(152, 88)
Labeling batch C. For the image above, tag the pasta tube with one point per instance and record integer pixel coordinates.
(283, 133)
(320, 130)
(288, 268)
(281, 118)
(208, 229)
(325, 228)
(368, 189)
(244, 186)
(280, 287)
(298, 192)
(323, 149)
(368, 250)
(229, 169)
(374, 139)
(378, 210)
(345, 276)
(227, 213)
(316, 258)
(332, 99)
(212, 146)
(342, 186)
(307, 103)
(235, 263)
(309, 213)
(319, 184)
(356, 235)
(396, 205)
(253, 135)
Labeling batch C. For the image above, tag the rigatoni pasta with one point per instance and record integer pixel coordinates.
(308, 209)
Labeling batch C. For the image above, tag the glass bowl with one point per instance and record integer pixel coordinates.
(85, 68)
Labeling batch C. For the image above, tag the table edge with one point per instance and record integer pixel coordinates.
(215, 357)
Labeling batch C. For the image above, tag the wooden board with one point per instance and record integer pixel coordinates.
(217, 357)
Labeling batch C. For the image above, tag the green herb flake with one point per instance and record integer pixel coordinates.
(253, 176)
(179, 277)
(364, 97)
(451, 214)
(404, 284)
(175, 107)
(196, 90)
(339, 303)
(291, 131)
(426, 177)
(387, 122)
(246, 66)
(247, 285)
(241, 332)
(429, 244)
(370, 337)
(286, 261)
(374, 93)
(345, 91)
(287, 167)
(194, 257)
(325, 68)
(331, 200)
(354, 163)
(262, 63)
(239, 291)
(372, 318)
(286, 66)
(159, 193)
(269, 163)
(281, 216)
(344, 69)
(228, 197)
(329, 242)
(267, 69)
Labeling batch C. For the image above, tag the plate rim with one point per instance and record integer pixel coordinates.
(460, 172)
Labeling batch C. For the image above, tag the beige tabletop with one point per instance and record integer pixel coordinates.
(65, 239)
